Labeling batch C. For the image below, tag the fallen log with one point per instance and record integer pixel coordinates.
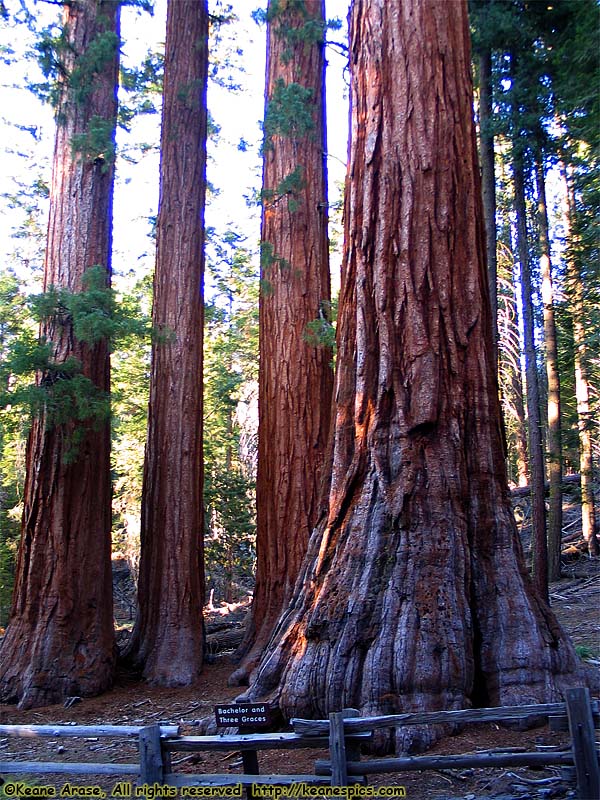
(525, 491)
(224, 640)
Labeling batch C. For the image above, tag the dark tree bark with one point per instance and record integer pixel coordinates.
(414, 594)
(582, 391)
(60, 639)
(555, 470)
(167, 641)
(295, 377)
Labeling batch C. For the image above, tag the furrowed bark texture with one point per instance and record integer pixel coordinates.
(60, 641)
(414, 594)
(295, 376)
(555, 470)
(167, 641)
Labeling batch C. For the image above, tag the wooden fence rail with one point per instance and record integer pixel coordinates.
(579, 714)
(342, 735)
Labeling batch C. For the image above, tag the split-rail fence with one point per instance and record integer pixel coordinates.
(341, 734)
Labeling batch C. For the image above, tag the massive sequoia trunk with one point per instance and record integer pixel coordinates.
(295, 380)
(414, 594)
(167, 641)
(60, 640)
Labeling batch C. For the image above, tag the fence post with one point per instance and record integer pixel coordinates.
(583, 742)
(337, 749)
(151, 761)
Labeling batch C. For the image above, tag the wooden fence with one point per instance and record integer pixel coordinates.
(341, 734)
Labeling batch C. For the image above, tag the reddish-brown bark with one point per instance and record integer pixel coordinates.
(414, 593)
(60, 640)
(295, 378)
(167, 640)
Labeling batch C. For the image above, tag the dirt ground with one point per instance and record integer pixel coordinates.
(575, 599)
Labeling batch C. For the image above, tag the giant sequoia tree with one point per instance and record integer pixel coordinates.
(414, 593)
(60, 638)
(295, 378)
(167, 640)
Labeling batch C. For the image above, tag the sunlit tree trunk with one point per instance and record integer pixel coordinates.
(295, 379)
(509, 365)
(167, 641)
(60, 639)
(555, 515)
(582, 392)
(414, 593)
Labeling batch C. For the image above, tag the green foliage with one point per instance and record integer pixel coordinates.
(225, 57)
(55, 54)
(269, 259)
(14, 321)
(288, 188)
(143, 86)
(289, 111)
(285, 16)
(584, 652)
(50, 48)
(230, 374)
(545, 70)
(295, 25)
(97, 56)
(320, 332)
(97, 144)
(37, 383)
(130, 384)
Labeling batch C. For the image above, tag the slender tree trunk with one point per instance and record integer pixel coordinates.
(60, 639)
(509, 337)
(488, 177)
(295, 377)
(521, 432)
(509, 367)
(555, 515)
(167, 640)
(584, 417)
(414, 593)
(536, 458)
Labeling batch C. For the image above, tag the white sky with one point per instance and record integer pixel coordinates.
(238, 114)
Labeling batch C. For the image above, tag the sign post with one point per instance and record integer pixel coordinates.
(248, 718)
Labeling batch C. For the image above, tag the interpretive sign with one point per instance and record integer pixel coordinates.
(243, 715)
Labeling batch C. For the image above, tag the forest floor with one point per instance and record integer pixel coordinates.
(575, 599)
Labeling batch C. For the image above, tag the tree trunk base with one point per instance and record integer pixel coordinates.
(32, 676)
